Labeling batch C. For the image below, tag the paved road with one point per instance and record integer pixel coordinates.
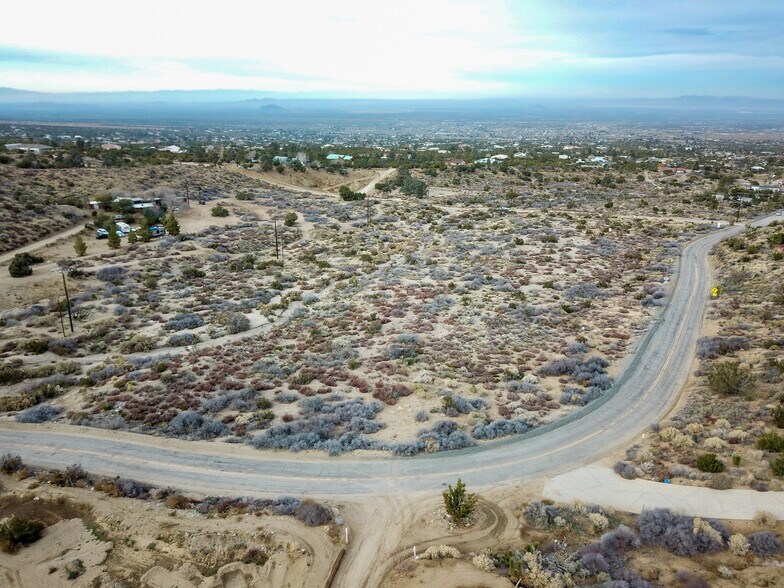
(642, 395)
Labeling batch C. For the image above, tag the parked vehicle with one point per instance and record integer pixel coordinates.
(157, 231)
(124, 227)
(101, 234)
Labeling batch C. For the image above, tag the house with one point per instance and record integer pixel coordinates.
(280, 159)
(765, 188)
(499, 157)
(29, 147)
(110, 147)
(171, 149)
(338, 157)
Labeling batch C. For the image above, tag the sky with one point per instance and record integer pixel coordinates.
(400, 49)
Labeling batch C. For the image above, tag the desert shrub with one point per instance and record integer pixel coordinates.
(778, 416)
(190, 273)
(713, 347)
(765, 518)
(771, 441)
(444, 436)
(598, 521)
(195, 426)
(16, 533)
(182, 339)
(123, 487)
(688, 580)
(541, 515)
(454, 404)
(74, 474)
(255, 556)
(738, 544)
(10, 463)
(708, 462)
(441, 552)
(138, 343)
(177, 501)
(483, 562)
(237, 323)
(620, 539)
(676, 533)
(38, 414)
(765, 544)
(421, 416)
(74, 569)
(219, 210)
(499, 428)
(10, 374)
(290, 219)
(113, 273)
(777, 466)
(594, 563)
(313, 514)
(729, 377)
(286, 506)
(63, 346)
(626, 470)
(36, 346)
(180, 322)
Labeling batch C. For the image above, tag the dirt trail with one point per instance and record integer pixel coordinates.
(377, 177)
(49, 240)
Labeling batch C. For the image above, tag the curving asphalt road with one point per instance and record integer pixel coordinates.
(644, 393)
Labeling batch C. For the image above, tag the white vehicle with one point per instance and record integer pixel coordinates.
(123, 227)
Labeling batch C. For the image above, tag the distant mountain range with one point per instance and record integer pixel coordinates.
(180, 106)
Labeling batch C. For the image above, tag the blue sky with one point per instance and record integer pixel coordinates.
(404, 48)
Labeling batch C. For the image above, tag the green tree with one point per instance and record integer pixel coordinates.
(458, 503)
(22, 264)
(123, 206)
(132, 237)
(143, 234)
(80, 246)
(19, 267)
(290, 219)
(171, 224)
(114, 238)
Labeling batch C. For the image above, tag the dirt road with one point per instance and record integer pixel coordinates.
(53, 238)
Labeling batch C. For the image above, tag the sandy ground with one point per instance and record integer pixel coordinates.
(128, 542)
(319, 181)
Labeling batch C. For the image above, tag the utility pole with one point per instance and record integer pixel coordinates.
(367, 199)
(67, 302)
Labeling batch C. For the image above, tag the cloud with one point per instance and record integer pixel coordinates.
(385, 47)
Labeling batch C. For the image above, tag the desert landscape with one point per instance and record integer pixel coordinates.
(398, 295)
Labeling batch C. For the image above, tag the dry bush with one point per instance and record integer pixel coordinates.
(483, 562)
(738, 544)
(441, 552)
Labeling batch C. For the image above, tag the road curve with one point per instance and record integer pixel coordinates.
(643, 394)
